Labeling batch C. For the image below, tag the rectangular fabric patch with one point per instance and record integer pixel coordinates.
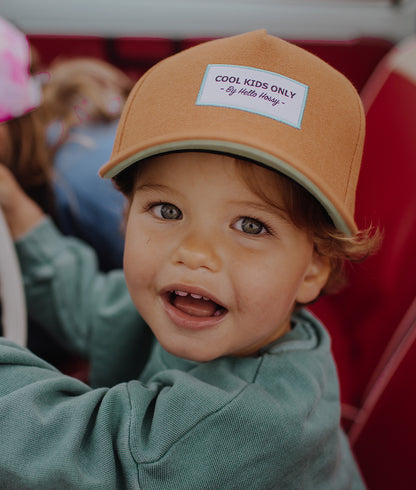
(250, 89)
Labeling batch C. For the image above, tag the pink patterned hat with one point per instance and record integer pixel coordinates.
(19, 92)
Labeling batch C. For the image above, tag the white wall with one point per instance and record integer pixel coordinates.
(296, 19)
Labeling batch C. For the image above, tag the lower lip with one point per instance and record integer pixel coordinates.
(189, 322)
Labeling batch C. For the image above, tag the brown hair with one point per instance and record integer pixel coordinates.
(84, 89)
(72, 82)
(304, 211)
(309, 215)
(30, 159)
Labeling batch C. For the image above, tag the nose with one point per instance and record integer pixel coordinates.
(198, 251)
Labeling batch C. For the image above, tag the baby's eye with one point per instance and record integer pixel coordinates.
(251, 226)
(167, 211)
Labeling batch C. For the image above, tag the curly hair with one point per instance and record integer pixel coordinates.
(309, 215)
(82, 90)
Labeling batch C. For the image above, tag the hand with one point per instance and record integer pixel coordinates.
(20, 212)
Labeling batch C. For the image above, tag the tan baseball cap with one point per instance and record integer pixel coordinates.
(253, 96)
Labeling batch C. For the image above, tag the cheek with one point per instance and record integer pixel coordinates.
(138, 259)
(268, 286)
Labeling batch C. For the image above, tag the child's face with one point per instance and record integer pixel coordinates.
(212, 268)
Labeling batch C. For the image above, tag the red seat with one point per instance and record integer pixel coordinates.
(384, 429)
(371, 321)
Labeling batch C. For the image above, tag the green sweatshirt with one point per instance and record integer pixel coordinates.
(152, 420)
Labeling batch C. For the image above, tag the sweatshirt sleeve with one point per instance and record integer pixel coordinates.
(89, 312)
(178, 431)
(56, 431)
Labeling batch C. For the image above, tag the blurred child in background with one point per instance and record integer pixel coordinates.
(82, 104)
(58, 127)
(23, 145)
(56, 130)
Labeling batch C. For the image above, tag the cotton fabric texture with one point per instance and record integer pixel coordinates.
(254, 96)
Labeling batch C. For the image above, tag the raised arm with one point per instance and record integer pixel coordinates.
(20, 212)
(86, 310)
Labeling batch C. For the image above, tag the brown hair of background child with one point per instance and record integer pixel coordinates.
(77, 91)
(82, 90)
(26, 152)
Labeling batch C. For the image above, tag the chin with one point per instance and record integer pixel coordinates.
(190, 354)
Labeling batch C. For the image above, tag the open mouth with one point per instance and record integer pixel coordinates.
(194, 304)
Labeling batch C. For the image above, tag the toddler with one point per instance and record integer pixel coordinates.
(239, 159)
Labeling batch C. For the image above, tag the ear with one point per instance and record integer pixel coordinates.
(315, 279)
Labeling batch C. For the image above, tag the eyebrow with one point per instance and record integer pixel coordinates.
(154, 187)
(267, 208)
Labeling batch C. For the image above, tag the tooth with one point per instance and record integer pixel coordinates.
(181, 293)
(196, 296)
(205, 298)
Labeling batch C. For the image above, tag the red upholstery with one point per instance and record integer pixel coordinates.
(132, 55)
(51, 47)
(369, 314)
(356, 59)
(384, 433)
